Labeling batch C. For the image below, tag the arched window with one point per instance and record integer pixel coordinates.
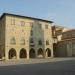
(40, 42)
(13, 41)
(22, 41)
(47, 42)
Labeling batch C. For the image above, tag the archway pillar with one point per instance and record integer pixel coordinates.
(44, 54)
(18, 56)
(6, 54)
(52, 53)
(36, 54)
(27, 54)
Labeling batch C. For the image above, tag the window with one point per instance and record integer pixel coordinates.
(22, 41)
(22, 23)
(31, 24)
(13, 22)
(39, 42)
(47, 42)
(40, 25)
(13, 41)
(31, 32)
(31, 40)
(46, 26)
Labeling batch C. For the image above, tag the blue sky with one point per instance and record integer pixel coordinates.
(62, 12)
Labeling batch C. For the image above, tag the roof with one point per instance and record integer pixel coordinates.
(24, 17)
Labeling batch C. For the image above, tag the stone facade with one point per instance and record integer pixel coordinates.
(24, 37)
(65, 44)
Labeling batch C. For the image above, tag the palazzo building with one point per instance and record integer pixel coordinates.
(23, 37)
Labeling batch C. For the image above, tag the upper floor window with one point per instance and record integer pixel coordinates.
(31, 24)
(22, 41)
(31, 40)
(31, 33)
(47, 42)
(22, 23)
(40, 25)
(39, 42)
(46, 26)
(13, 22)
(13, 41)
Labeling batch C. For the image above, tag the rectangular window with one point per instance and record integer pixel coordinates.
(46, 26)
(31, 24)
(13, 22)
(22, 23)
(31, 32)
(40, 25)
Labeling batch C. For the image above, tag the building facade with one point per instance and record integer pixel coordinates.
(57, 32)
(23, 37)
(64, 41)
(66, 46)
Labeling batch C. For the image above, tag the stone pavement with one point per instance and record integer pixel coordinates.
(53, 66)
(32, 61)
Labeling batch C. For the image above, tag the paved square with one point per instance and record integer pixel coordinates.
(55, 66)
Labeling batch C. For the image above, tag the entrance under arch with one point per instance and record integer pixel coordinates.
(40, 53)
(32, 53)
(23, 53)
(48, 52)
(12, 54)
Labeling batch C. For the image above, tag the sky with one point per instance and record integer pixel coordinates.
(61, 12)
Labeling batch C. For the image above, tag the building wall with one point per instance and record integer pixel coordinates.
(66, 46)
(24, 31)
(2, 38)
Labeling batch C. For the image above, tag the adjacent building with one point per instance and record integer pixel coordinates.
(63, 41)
(66, 46)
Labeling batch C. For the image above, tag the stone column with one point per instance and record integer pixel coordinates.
(44, 54)
(17, 54)
(52, 53)
(35, 53)
(27, 54)
(6, 55)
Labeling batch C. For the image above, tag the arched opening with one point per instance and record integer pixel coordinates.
(23, 53)
(12, 54)
(32, 53)
(40, 53)
(48, 52)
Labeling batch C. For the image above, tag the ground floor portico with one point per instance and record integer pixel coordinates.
(23, 53)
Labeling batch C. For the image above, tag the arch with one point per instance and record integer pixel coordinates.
(40, 52)
(12, 53)
(32, 53)
(23, 53)
(48, 52)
